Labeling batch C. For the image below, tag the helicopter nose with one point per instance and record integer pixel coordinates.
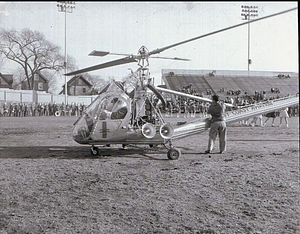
(81, 130)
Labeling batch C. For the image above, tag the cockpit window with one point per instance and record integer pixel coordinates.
(92, 109)
(113, 108)
(119, 110)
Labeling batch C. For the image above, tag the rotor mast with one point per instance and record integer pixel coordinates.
(143, 63)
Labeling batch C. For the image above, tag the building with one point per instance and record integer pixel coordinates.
(40, 83)
(232, 82)
(6, 81)
(77, 86)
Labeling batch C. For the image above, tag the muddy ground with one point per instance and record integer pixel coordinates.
(51, 184)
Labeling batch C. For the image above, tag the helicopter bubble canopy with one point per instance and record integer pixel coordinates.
(111, 106)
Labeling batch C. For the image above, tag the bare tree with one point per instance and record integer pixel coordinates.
(31, 51)
(97, 82)
(1, 62)
(51, 76)
(130, 81)
(18, 78)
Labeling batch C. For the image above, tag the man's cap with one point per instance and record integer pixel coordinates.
(215, 98)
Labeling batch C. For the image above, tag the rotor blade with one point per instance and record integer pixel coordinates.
(188, 95)
(104, 53)
(104, 65)
(175, 58)
(157, 51)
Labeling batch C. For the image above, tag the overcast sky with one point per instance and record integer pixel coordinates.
(123, 27)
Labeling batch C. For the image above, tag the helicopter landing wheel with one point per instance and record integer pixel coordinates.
(174, 154)
(94, 151)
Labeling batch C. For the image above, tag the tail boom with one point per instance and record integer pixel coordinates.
(247, 112)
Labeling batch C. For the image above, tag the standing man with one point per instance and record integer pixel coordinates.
(284, 114)
(218, 125)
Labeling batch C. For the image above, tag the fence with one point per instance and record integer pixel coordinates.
(10, 95)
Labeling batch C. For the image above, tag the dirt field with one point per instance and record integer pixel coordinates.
(50, 184)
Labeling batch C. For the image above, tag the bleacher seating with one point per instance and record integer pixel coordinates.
(220, 82)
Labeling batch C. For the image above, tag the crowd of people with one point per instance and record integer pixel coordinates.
(182, 105)
(190, 107)
(28, 109)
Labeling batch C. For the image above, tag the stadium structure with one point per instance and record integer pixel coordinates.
(232, 82)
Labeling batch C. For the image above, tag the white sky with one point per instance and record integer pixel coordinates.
(123, 27)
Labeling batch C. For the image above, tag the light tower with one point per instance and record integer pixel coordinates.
(248, 13)
(66, 7)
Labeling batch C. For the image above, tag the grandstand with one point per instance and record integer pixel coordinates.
(226, 82)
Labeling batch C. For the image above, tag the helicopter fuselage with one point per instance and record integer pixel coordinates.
(109, 120)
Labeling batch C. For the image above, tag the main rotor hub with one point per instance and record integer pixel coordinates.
(144, 55)
(143, 52)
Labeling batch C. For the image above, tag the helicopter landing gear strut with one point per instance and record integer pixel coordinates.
(173, 153)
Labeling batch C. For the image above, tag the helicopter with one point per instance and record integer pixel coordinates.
(118, 116)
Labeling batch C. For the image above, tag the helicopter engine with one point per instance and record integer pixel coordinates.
(148, 130)
(166, 131)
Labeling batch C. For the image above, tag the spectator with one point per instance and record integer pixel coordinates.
(270, 115)
(253, 122)
(284, 114)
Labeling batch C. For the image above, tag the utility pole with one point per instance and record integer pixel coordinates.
(249, 12)
(66, 7)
